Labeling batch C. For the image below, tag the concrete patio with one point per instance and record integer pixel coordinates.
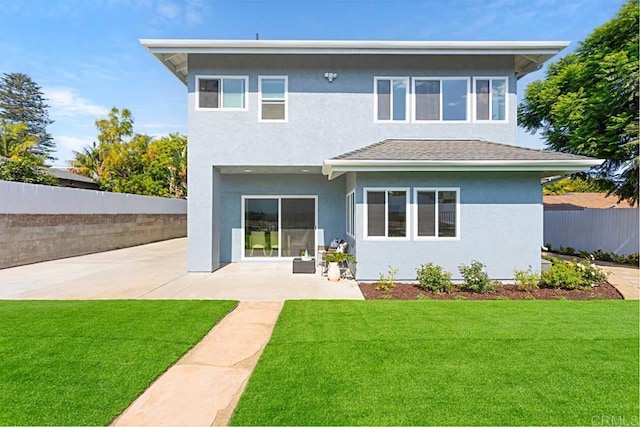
(158, 271)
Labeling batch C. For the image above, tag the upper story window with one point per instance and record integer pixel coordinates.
(221, 92)
(440, 99)
(386, 212)
(490, 98)
(391, 99)
(273, 98)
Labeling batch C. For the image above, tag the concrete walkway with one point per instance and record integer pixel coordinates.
(159, 271)
(203, 388)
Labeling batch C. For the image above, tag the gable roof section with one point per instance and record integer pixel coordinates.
(174, 53)
(454, 155)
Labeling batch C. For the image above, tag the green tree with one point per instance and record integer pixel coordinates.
(22, 101)
(15, 141)
(17, 161)
(588, 103)
(126, 162)
(27, 169)
(569, 185)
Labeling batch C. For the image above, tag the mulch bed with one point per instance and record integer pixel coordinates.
(409, 292)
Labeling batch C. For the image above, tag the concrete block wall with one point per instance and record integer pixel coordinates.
(42, 223)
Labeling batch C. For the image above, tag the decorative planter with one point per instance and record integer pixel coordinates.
(333, 271)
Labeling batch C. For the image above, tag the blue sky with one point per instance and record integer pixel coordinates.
(86, 56)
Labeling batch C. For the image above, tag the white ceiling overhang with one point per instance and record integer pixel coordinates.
(174, 53)
(334, 168)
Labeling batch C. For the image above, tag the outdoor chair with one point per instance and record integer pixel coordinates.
(258, 240)
(274, 242)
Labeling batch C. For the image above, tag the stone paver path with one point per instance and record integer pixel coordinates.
(203, 388)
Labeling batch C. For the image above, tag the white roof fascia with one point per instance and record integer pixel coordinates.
(352, 46)
(536, 52)
(335, 168)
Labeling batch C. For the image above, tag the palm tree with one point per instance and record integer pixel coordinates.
(15, 142)
(88, 162)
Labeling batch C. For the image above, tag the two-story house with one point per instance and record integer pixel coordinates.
(405, 149)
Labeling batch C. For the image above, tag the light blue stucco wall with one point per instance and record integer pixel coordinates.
(331, 205)
(500, 225)
(324, 120)
(328, 119)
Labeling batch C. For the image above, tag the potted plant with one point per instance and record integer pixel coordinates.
(334, 259)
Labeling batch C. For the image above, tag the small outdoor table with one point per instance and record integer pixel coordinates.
(307, 266)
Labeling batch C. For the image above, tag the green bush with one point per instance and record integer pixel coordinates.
(565, 250)
(475, 278)
(433, 278)
(562, 275)
(591, 274)
(527, 280)
(387, 282)
(572, 275)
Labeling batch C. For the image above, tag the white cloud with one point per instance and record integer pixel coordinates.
(168, 10)
(72, 142)
(65, 102)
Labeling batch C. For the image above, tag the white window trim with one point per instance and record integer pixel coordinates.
(440, 120)
(415, 213)
(279, 197)
(221, 78)
(286, 99)
(350, 213)
(506, 99)
(407, 100)
(365, 213)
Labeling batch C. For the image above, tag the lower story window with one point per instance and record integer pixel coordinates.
(436, 212)
(386, 213)
(351, 214)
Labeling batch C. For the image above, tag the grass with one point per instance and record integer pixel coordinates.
(447, 363)
(84, 362)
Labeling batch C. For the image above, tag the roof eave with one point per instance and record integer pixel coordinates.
(530, 55)
(336, 167)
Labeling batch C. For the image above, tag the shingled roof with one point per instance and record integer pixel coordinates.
(403, 155)
(450, 150)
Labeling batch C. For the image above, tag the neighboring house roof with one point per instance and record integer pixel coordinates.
(69, 176)
(579, 201)
(454, 155)
(528, 55)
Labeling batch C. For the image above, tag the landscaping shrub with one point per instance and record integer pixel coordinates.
(562, 275)
(387, 282)
(527, 280)
(475, 278)
(600, 255)
(433, 278)
(572, 275)
(565, 250)
(591, 274)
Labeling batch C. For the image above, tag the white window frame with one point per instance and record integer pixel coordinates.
(221, 95)
(440, 120)
(407, 117)
(279, 197)
(414, 225)
(365, 213)
(350, 220)
(286, 99)
(506, 99)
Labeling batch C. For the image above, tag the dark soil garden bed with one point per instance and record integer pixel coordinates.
(409, 292)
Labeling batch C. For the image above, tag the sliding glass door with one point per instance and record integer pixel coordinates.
(279, 226)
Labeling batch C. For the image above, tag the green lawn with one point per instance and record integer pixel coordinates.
(84, 362)
(447, 363)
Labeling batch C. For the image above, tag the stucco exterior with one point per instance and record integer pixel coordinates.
(263, 190)
(324, 119)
